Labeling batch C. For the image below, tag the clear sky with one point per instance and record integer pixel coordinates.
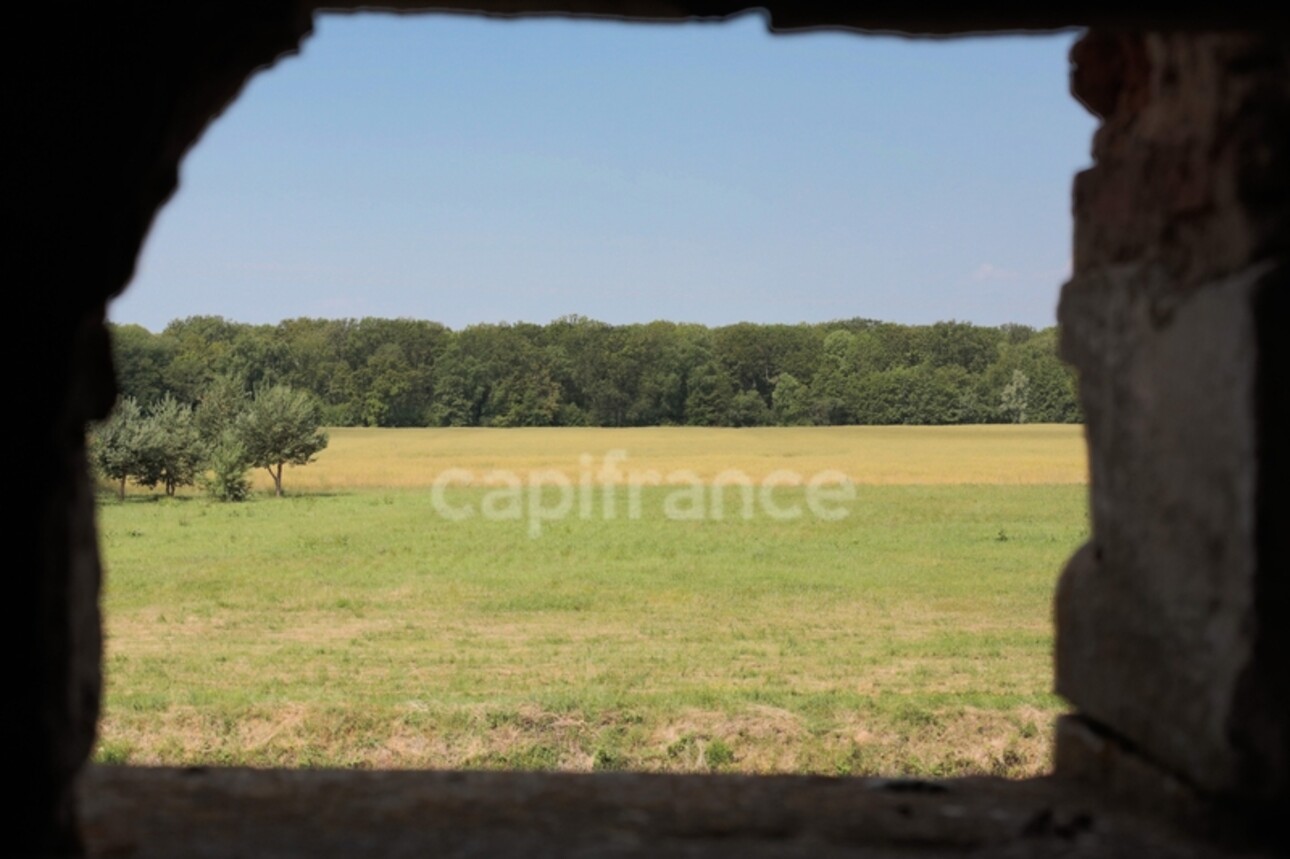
(468, 170)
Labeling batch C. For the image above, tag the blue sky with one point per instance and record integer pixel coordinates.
(468, 170)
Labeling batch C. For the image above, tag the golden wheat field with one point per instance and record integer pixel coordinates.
(360, 458)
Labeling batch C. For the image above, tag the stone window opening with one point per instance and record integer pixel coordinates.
(1168, 642)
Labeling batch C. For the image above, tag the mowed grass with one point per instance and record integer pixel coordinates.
(359, 627)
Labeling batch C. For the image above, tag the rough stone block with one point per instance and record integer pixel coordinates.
(1158, 626)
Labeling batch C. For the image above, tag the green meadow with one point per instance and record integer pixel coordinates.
(361, 627)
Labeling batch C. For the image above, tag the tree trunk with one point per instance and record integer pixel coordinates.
(121, 490)
(277, 480)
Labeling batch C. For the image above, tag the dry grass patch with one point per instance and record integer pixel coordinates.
(753, 739)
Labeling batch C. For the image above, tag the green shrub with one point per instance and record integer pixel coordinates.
(227, 478)
(718, 754)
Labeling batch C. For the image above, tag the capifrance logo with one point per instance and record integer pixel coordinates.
(605, 487)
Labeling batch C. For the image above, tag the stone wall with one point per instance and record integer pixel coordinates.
(1166, 619)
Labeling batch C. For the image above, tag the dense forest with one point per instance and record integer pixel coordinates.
(579, 372)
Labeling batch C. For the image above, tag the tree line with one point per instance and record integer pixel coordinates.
(576, 371)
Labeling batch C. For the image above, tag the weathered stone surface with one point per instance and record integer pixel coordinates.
(1192, 162)
(211, 814)
(1155, 616)
(1124, 776)
(1166, 620)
